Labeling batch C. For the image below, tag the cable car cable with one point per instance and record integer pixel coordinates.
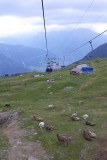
(45, 27)
(88, 41)
(78, 22)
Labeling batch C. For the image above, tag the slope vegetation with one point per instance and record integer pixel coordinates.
(33, 95)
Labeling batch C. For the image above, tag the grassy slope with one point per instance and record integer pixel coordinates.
(37, 95)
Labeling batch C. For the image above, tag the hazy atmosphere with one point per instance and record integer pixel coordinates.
(53, 79)
(69, 24)
(25, 17)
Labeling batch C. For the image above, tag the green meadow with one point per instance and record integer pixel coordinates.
(34, 97)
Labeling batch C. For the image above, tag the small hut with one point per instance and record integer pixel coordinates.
(76, 71)
(49, 69)
(82, 65)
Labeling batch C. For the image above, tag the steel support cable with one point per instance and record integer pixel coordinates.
(88, 41)
(45, 27)
(88, 55)
(85, 13)
(98, 18)
(105, 12)
(77, 24)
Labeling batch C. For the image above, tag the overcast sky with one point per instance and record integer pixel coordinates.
(25, 16)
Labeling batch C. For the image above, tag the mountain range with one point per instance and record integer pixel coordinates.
(15, 59)
(99, 52)
(27, 53)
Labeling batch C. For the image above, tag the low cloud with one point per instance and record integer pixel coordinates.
(12, 25)
(25, 16)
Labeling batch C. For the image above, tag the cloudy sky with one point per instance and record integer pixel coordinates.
(25, 16)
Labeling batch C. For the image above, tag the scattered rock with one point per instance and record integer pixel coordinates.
(51, 93)
(85, 116)
(51, 106)
(68, 87)
(41, 125)
(19, 143)
(49, 87)
(51, 80)
(38, 75)
(35, 134)
(81, 102)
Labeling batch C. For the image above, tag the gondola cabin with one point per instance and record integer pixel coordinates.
(49, 69)
(76, 71)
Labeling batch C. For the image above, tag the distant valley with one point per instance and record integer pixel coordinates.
(16, 59)
(27, 53)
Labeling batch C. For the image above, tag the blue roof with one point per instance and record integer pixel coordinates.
(87, 69)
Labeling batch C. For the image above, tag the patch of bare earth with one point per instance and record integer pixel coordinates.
(101, 153)
(19, 148)
(83, 155)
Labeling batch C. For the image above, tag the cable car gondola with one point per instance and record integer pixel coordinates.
(49, 69)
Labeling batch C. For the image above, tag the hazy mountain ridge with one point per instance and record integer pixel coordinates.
(25, 50)
(7, 66)
(15, 58)
(100, 52)
(61, 43)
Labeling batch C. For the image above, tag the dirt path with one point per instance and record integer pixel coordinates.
(21, 149)
(101, 153)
